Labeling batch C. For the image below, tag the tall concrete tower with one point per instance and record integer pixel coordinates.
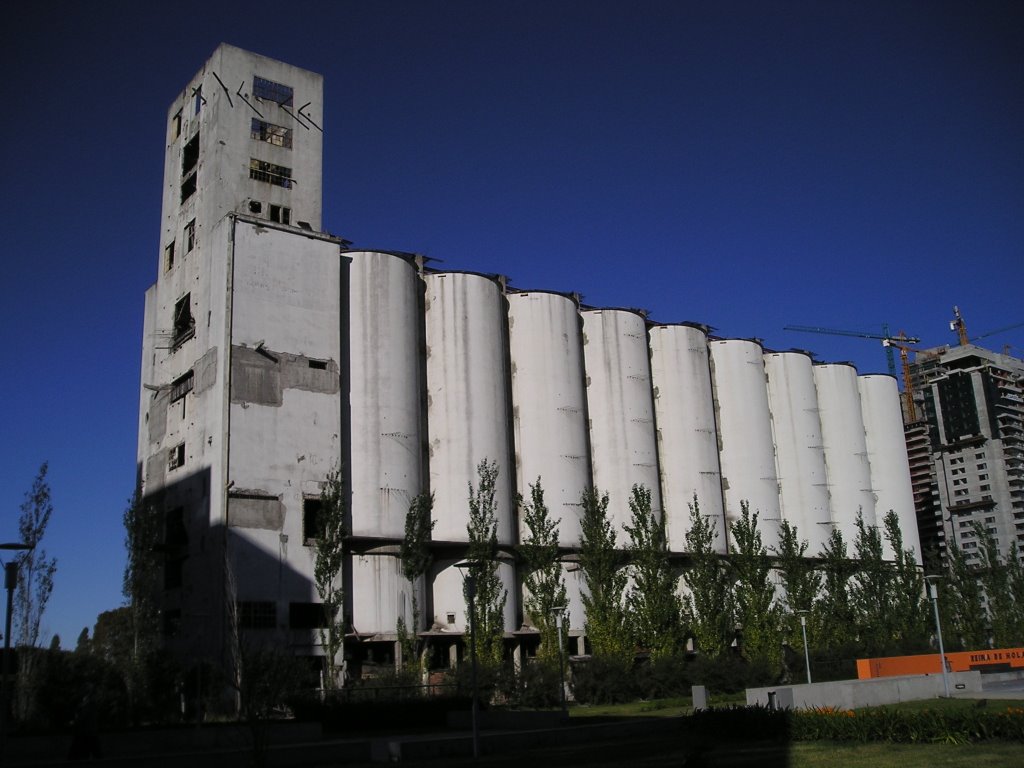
(241, 351)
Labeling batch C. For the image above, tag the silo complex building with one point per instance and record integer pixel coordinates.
(274, 354)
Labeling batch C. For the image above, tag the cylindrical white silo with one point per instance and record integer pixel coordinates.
(846, 452)
(687, 434)
(746, 451)
(380, 594)
(549, 404)
(799, 450)
(887, 456)
(623, 445)
(467, 398)
(386, 461)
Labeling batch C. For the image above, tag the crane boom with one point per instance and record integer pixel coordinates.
(883, 337)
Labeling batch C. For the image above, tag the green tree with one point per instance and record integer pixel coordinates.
(833, 615)
(908, 606)
(964, 601)
(655, 610)
(416, 559)
(142, 590)
(1004, 589)
(709, 604)
(601, 565)
(871, 591)
(329, 552)
(757, 609)
(799, 578)
(544, 584)
(36, 570)
(482, 531)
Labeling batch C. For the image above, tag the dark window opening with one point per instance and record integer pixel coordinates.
(268, 90)
(311, 528)
(176, 456)
(280, 214)
(172, 622)
(190, 236)
(320, 365)
(256, 614)
(198, 92)
(188, 187)
(255, 206)
(277, 175)
(169, 255)
(173, 569)
(175, 535)
(176, 125)
(277, 135)
(182, 386)
(184, 323)
(306, 616)
(190, 155)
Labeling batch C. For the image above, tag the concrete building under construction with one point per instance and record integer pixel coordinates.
(966, 448)
(273, 353)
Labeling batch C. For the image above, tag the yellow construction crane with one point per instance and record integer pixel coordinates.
(908, 389)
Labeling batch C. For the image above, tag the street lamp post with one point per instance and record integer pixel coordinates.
(469, 577)
(559, 611)
(807, 651)
(10, 583)
(933, 593)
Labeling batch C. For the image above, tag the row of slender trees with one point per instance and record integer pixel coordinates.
(641, 598)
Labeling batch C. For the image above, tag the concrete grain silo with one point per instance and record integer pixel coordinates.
(887, 456)
(467, 417)
(799, 451)
(549, 404)
(550, 414)
(386, 455)
(623, 445)
(687, 433)
(846, 453)
(746, 450)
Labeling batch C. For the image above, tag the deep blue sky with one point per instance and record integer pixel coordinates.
(743, 164)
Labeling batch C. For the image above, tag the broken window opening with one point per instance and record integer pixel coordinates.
(256, 614)
(176, 125)
(280, 214)
(173, 569)
(182, 386)
(190, 155)
(306, 616)
(190, 236)
(188, 187)
(184, 323)
(255, 206)
(277, 135)
(199, 97)
(172, 622)
(169, 256)
(320, 365)
(271, 173)
(268, 90)
(176, 456)
(311, 528)
(175, 535)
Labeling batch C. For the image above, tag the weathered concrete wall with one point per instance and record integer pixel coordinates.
(853, 694)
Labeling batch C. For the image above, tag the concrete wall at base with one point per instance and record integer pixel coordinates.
(853, 694)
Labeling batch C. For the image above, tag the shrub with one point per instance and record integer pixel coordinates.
(603, 680)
